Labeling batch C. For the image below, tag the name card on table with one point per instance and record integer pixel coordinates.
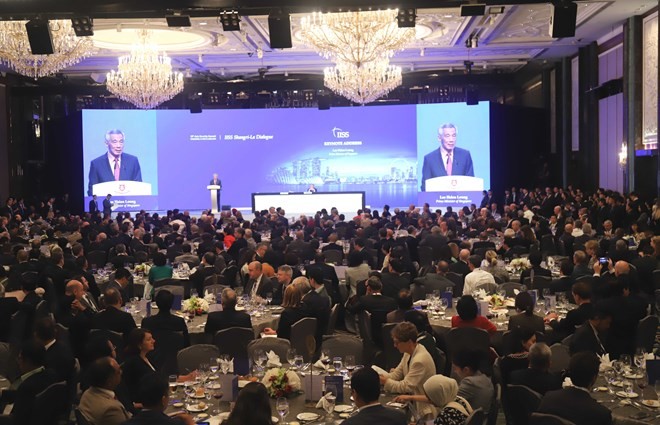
(535, 295)
(448, 296)
(313, 386)
(335, 384)
(178, 300)
(229, 386)
(550, 301)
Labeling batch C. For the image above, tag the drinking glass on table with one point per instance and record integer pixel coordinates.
(282, 407)
(331, 399)
(298, 361)
(610, 377)
(214, 366)
(258, 357)
(172, 382)
(269, 298)
(337, 364)
(627, 386)
(626, 361)
(290, 356)
(640, 358)
(642, 382)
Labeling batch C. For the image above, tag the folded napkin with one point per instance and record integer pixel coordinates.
(516, 291)
(567, 383)
(649, 356)
(319, 363)
(605, 362)
(479, 294)
(273, 359)
(323, 402)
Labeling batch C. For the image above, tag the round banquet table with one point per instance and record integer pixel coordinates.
(623, 414)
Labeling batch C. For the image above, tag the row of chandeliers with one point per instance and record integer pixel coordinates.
(359, 43)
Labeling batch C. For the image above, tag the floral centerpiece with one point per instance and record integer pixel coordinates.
(496, 301)
(144, 268)
(196, 305)
(281, 382)
(520, 264)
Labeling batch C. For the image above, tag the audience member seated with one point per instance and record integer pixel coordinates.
(574, 318)
(537, 375)
(526, 317)
(376, 304)
(357, 271)
(205, 269)
(29, 285)
(154, 395)
(365, 390)
(98, 403)
(186, 257)
(292, 312)
(282, 280)
(443, 393)
(425, 335)
(258, 284)
(565, 281)
(228, 317)
(415, 368)
(122, 259)
(475, 387)
(431, 282)
(122, 277)
(574, 403)
(34, 379)
(581, 265)
(159, 271)
(164, 320)
(404, 303)
(252, 406)
(139, 344)
(113, 318)
(495, 267)
(521, 340)
(477, 276)
(468, 316)
(315, 277)
(393, 279)
(592, 336)
(536, 270)
(59, 357)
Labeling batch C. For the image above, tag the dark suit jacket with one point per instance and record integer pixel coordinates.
(93, 206)
(317, 306)
(377, 415)
(59, 358)
(573, 319)
(107, 206)
(23, 397)
(114, 320)
(435, 167)
(288, 317)
(539, 381)
(563, 284)
(393, 283)
(538, 271)
(122, 291)
(585, 340)
(100, 171)
(220, 320)
(165, 321)
(437, 243)
(626, 314)
(133, 370)
(265, 286)
(197, 278)
(522, 320)
(378, 306)
(152, 417)
(576, 406)
(460, 268)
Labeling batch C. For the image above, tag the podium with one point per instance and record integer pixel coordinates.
(455, 184)
(122, 188)
(214, 189)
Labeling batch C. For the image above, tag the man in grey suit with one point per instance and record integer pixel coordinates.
(475, 387)
(98, 404)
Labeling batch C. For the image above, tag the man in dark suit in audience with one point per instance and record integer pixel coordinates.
(574, 318)
(258, 284)
(59, 356)
(113, 318)
(238, 244)
(228, 317)
(575, 403)
(592, 336)
(436, 241)
(55, 271)
(432, 282)
(154, 393)
(375, 303)
(646, 263)
(205, 269)
(535, 260)
(187, 257)
(581, 265)
(165, 321)
(393, 280)
(564, 282)
(122, 277)
(314, 305)
(365, 390)
(537, 375)
(329, 274)
(122, 259)
(461, 266)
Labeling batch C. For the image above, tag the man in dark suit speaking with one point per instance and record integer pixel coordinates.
(448, 160)
(217, 182)
(115, 164)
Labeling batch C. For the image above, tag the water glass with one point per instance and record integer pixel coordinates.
(337, 364)
(258, 356)
(282, 407)
(290, 356)
(610, 377)
(298, 361)
(331, 399)
(626, 361)
(640, 358)
(627, 386)
(172, 383)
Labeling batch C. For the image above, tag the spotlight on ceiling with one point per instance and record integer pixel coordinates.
(472, 42)
(39, 37)
(230, 20)
(178, 20)
(475, 9)
(406, 18)
(279, 29)
(83, 26)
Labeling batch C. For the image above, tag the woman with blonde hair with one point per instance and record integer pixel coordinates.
(494, 266)
(291, 314)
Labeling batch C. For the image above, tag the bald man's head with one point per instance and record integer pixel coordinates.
(464, 255)
(621, 268)
(75, 288)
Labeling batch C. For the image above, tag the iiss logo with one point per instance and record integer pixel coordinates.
(340, 134)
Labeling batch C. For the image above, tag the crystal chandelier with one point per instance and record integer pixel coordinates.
(145, 77)
(16, 53)
(365, 83)
(355, 37)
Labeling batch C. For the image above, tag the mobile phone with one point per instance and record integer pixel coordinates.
(603, 260)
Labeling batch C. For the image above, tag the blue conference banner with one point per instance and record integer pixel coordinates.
(372, 149)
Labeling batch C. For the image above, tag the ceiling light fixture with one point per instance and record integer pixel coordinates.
(363, 84)
(230, 20)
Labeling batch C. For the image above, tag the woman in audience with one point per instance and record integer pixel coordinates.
(140, 343)
(468, 316)
(442, 392)
(526, 317)
(160, 270)
(357, 271)
(252, 407)
(291, 314)
(495, 267)
(521, 340)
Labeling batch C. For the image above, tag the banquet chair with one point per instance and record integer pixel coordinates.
(540, 283)
(53, 405)
(510, 287)
(80, 418)
(189, 359)
(332, 320)
(115, 338)
(234, 342)
(391, 356)
(167, 281)
(230, 273)
(279, 346)
(547, 419)
(168, 345)
(425, 256)
(489, 287)
(141, 256)
(334, 256)
(560, 357)
(344, 345)
(548, 246)
(211, 280)
(477, 417)
(469, 338)
(175, 290)
(519, 404)
(42, 310)
(458, 280)
(96, 259)
(302, 337)
(646, 333)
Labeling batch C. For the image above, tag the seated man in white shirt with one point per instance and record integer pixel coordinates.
(476, 276)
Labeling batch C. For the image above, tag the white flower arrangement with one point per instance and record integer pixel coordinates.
(281, 382)
(520, 264)
(144, 268)
(196, 305)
